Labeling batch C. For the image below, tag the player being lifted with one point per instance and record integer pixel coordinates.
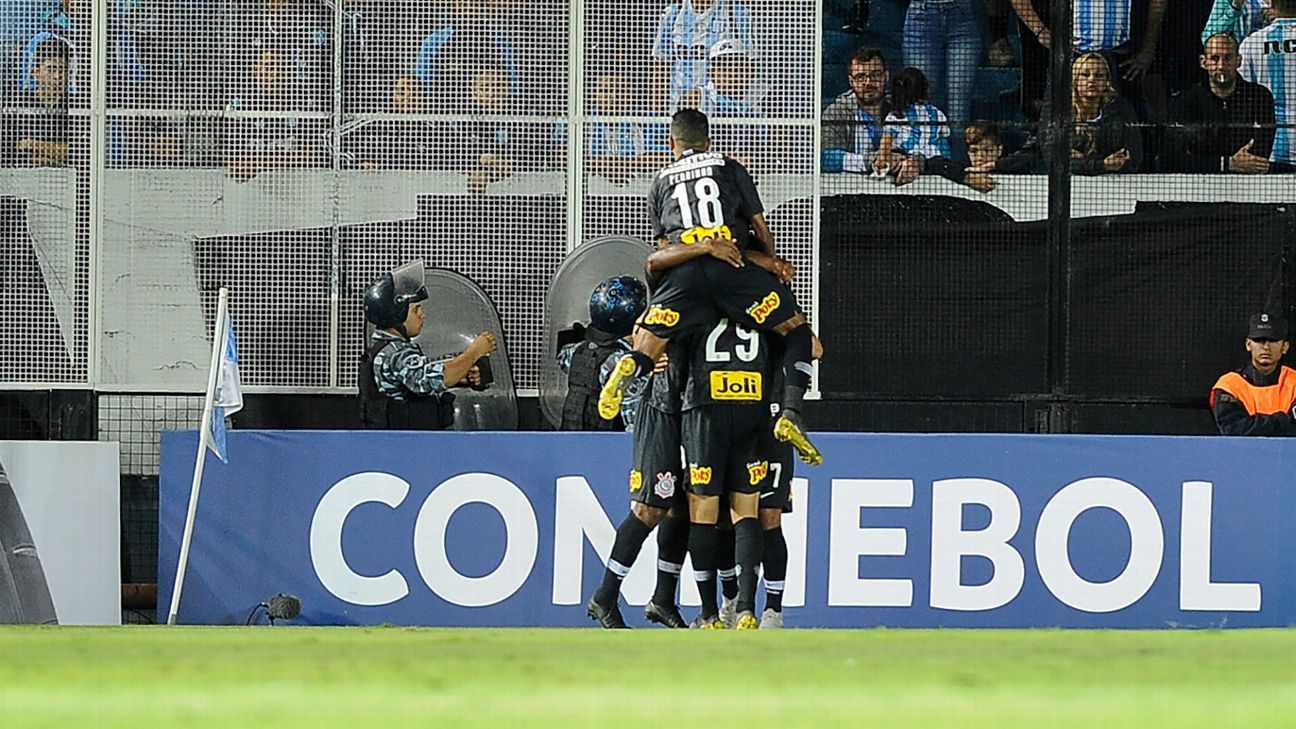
(704, 203)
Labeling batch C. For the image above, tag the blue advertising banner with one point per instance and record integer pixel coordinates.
(511, 529)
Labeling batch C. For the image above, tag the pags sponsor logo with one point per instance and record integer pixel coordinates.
(636, 481)
(756, 472)
(761, 310)
(662, 315)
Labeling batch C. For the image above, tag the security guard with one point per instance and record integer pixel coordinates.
(614, 306)
(1258, 399)
(400, 388)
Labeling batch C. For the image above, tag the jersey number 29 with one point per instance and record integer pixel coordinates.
(747, 346)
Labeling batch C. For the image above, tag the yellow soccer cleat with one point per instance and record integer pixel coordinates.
(614, 390)
(707, 622)
(747, 621)
(789, 430)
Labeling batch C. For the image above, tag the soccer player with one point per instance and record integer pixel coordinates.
(657, 500)
(724, 424)
(705, 197)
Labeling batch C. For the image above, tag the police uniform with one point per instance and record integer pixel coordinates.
(400, 388)
(585, 364)
(709, 195)
(657, 470)
(1248, 402)
(726, 412)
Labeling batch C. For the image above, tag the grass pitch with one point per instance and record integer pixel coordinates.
(359, 677)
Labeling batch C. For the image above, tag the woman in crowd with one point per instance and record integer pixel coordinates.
(1104, 139)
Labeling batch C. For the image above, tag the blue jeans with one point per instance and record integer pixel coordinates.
(942, 39)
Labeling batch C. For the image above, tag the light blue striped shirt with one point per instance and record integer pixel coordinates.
(1100, 25)
(685, 37)
(922, 130)
(1269, 59)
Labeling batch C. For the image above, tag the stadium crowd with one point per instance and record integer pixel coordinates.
(249, 85)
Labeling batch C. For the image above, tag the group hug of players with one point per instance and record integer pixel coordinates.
(721, 360)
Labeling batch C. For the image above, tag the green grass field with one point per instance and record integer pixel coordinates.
(145, 676)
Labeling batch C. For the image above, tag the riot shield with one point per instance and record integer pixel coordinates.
(457, 311)
(568, 301)
(24, 593)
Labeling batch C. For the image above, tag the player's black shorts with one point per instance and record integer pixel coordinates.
(777, 493)
(724, 446)
(657, 470)
(693, 296)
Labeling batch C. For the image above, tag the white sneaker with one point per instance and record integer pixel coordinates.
(771, 619)
(729, 612)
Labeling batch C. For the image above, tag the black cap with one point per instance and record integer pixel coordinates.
(1267, 326)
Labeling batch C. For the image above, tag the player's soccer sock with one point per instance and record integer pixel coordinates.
(747, 548)
(630, 537)
(775, 557)
(672, 545)
(798, 345)
(643, 362)
(726, 567)
(702, 550)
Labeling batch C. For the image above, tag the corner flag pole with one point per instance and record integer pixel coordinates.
(204, 433)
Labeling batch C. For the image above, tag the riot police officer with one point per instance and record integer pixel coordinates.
(400, 387)
(614, 306)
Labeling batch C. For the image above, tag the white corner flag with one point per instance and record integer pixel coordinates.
(223, 397)
(229, 391)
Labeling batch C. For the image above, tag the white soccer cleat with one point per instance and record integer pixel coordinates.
(771, 620)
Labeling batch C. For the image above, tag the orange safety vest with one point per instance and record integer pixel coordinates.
(1277, 398)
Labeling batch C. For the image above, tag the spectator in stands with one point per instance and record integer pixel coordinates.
(1227, 122)
(390, 144)
(852, 124)
(38, 133)
(914, 128)
(1239, 18)
(985, 146)
(451, 56)
(19, 21)
(254, 144)
(733, 88)
(1103, 26)
(299, 29)
(1259, 398)
(686, 33)
(943, 40)
(1269, 59)
(621, 149)
(1104, 139)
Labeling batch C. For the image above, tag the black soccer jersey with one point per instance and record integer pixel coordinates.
(730, 366)
(666, 388)
(703, 195)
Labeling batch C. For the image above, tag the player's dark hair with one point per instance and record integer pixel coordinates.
(982, 131)
(1287, 7)
(51, 49)
(908, 88)
(690, 128)
(864, 54)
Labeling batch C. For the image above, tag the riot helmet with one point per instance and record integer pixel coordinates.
(616, 304)
(387, 301)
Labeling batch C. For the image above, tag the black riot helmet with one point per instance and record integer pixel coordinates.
(616, 304)
(387, 301)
